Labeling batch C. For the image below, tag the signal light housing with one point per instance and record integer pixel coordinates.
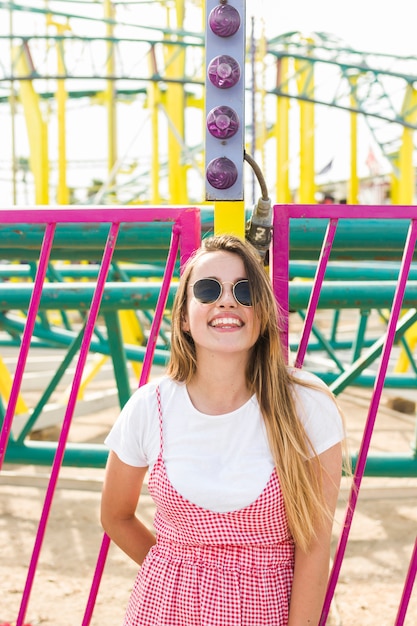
(225, 99)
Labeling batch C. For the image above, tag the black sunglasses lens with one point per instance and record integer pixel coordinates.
(207, 290)
(242, 293)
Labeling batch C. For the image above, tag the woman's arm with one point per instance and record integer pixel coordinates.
(120, 496)
(311, 569)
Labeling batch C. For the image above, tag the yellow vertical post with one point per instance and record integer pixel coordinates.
(61, 99)
(305, 83)
(282, 134)
(353, 187)
(154, 99)
(406, 168)
(6, 387)
(110, 93)
(36, 126)
(395, 180)
(175, 107)
(261, 52)
(406, 186)
(229, 217)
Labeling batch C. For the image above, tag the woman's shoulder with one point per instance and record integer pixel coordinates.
(311, 380)
(163, 383)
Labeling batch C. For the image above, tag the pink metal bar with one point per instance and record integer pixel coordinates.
(370, 422)
(98, 575)
(190, 234)
(315, 292)
(336, 211)
(36, 215)
(59, 455)
(187, 234)
(160, 307)
(280, 267)
(26, 338)
(408, 588)
(144, 376)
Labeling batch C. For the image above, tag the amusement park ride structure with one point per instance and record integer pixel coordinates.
(135, 68)
(48, 71)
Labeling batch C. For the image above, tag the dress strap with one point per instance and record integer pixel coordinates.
(161, 437)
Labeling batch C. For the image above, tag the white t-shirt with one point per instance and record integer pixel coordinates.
(219, 462)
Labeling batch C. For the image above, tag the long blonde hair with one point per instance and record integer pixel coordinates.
(270, 379)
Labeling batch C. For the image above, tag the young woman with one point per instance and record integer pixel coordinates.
(245, 461)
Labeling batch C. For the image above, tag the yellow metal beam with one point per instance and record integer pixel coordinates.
(154, 100)
(36, 126)
(305, 84)
(110, 92)
(353, 187)
(229, 217)
(409, 112)
(61, 100)
(6, 387)
(175, 107)
(402, 179)
(283, 192)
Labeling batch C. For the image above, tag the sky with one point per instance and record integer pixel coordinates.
(384, 26)
(369, 25)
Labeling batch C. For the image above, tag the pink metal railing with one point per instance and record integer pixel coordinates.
(147, 362)
(280, 277)
(186, 236)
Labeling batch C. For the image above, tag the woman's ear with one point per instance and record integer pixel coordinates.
(184, 323)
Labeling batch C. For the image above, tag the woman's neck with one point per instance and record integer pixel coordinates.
(219, 388)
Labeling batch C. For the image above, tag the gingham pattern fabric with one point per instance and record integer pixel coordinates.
(214, 569)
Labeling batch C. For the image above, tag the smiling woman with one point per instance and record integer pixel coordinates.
(244, 459)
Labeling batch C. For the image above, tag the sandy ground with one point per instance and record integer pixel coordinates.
(371, 580)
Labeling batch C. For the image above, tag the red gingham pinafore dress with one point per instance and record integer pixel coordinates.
(213, 569)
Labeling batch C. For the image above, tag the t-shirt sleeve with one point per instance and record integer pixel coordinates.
(319, 414)
(134, 435)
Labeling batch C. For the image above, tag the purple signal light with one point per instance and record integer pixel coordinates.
(223, 71)
(221, 173)
(222, 122)
(224, 20)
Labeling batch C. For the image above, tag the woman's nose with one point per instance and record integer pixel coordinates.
(227, 298)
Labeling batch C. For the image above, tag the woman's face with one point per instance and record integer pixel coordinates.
(225, 325)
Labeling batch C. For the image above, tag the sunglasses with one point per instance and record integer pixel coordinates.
(209, 290)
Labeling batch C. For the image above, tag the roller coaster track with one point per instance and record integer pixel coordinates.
(378, 86)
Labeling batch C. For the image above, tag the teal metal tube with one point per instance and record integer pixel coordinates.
(355, 239)
(95, 455)
(62, 337)
(393, 381)
(352, 270)
(117, 352)
(78, 296)
(143, 270)
(143, 295)
(390, 465)
(43, 453)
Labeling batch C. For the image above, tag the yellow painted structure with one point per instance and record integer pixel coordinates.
(403, 361)
(61, 102)
(305, 84)
(36, 126)
(110, 96)
(409, 112)
(229, 217)
(173, 102)
(283, 192)
(154, 103)
(353, 186)
(402, 179)
(6, 387)
(175, 110)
